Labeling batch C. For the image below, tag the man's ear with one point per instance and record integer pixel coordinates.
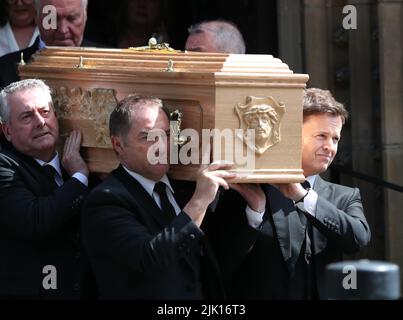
(6, 131)
(117, 144)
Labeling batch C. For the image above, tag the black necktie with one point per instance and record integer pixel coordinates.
(50, 172)
(166, 206)
(306, 184)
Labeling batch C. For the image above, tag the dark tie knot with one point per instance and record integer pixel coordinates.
(306, 184)
(160, 188)
(166, 205)
(51, 173)
(50, 170)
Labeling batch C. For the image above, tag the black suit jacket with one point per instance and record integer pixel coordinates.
(263, 263)
(136, 251)
(9, 62)
(39, 226)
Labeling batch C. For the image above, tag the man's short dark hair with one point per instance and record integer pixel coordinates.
(120, 121)
(318, 101)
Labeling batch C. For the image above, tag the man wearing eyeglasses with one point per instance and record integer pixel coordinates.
(71, 18)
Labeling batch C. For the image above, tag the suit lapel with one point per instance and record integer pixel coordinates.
(319, 241)
(289, 225)
(280, 221)
(148, 206)
(143, 200)
(183, 191)
(39, 177)
(65, 175)
(45, 181)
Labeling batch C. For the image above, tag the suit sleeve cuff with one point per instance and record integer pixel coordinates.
(309, 203)
(80, 177)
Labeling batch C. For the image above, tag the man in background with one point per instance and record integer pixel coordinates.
(215, 36)
(69, 32)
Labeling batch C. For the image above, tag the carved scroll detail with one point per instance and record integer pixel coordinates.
(94, 106)
(263, 115)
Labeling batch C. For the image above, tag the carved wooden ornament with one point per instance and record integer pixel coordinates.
(260, 121)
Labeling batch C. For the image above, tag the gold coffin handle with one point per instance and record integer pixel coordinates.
(176, 117)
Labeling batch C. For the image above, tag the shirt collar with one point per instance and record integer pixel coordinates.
(311, 179)
(146, 183)
(55, 163)
(41, 44)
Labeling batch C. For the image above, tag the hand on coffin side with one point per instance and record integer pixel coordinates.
(72, 161)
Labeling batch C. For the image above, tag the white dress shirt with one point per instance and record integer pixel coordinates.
(255, 218)
(148, 185)
(8, 43)
(311, 198)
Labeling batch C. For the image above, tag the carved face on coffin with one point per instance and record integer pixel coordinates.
(261, 116)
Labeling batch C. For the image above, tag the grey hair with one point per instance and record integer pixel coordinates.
(84, 4)
(16, 87)
(227, 37)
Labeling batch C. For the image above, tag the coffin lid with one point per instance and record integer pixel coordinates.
(129, 65)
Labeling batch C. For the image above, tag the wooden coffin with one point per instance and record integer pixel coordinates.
(212, 91)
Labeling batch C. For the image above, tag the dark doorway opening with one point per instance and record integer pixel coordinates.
(257, 20)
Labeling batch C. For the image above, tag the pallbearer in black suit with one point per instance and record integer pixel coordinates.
(279, 248)
(40, 199)
(68, 31)
(142, 236)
